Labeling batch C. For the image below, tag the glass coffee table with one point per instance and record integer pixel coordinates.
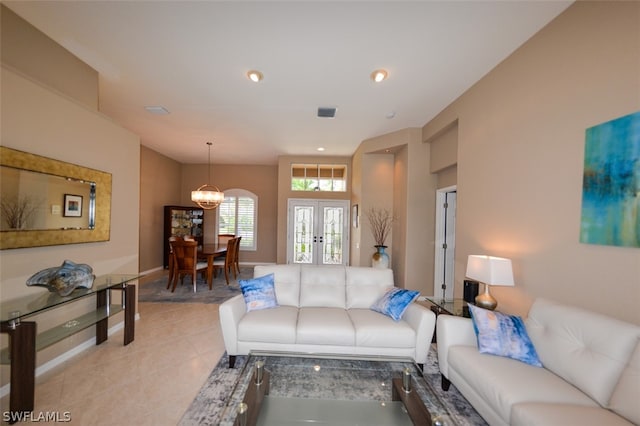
(289, 389)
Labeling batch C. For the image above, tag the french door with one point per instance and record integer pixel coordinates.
(445, 250)
(318, 232)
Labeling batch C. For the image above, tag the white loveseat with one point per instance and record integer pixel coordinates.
(325, 309)
(591, 373)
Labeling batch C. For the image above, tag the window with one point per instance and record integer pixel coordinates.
(237, 215)
(319, 177)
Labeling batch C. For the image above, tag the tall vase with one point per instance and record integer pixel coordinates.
(380, 258)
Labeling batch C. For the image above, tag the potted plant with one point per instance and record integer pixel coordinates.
(380, 221)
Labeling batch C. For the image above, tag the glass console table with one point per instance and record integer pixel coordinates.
(24, 341)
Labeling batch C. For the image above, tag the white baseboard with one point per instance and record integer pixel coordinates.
(50, 365)
(149, 271)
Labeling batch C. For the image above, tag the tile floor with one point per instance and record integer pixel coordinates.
(151, 381)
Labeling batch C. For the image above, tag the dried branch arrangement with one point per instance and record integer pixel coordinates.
(380, 221)
(16, 211)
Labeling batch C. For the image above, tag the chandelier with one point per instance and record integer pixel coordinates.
(208, 197)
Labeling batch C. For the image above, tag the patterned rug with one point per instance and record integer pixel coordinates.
(207, 408)
(156, 291)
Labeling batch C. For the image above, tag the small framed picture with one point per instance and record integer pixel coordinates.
(72, 205)
(354, 214)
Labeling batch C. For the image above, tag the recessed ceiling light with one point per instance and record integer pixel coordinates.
(255, 76)
(379, 75)
(320, 148)
(158, 110)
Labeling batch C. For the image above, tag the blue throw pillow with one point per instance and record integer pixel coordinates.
(259, 293)
(395, 301)
(503, 335)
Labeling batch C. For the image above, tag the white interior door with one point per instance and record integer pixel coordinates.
(445, 249)
(318, 232)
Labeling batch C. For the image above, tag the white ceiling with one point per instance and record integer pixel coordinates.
(191, 57)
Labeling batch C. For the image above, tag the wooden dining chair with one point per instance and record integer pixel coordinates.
(227, 263)
(236, 257)
(171, 262)
(185, 258)
(224, 238)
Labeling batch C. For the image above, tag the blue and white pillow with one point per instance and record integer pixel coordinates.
(395, 301)
(503, 335)
(259, 293)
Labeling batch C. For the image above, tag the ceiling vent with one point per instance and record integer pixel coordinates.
(326, 112)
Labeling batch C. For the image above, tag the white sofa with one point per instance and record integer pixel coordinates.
(591, 372)
(325, 309)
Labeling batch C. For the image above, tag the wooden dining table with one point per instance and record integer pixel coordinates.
(210, 252)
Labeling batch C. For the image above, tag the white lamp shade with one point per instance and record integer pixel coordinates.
(490, 270)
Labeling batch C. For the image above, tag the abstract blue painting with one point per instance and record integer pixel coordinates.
(611, 183)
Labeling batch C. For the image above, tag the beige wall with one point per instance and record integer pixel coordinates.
(420, 223)
(448, 177)
(160, 185)
(444, 149)
(55, 117)
(47, 61)
(374, 181)
(392, 172)
(37, 120)
(520, 160)
(69, 132)
(378, 184)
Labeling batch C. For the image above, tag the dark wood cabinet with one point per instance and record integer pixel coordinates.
(181, 221)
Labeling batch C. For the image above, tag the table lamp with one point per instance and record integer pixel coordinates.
(490, 271)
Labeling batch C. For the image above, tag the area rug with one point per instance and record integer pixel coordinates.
(207, 408)
(156, 291)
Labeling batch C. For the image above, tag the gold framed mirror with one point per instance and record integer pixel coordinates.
(56, 202)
